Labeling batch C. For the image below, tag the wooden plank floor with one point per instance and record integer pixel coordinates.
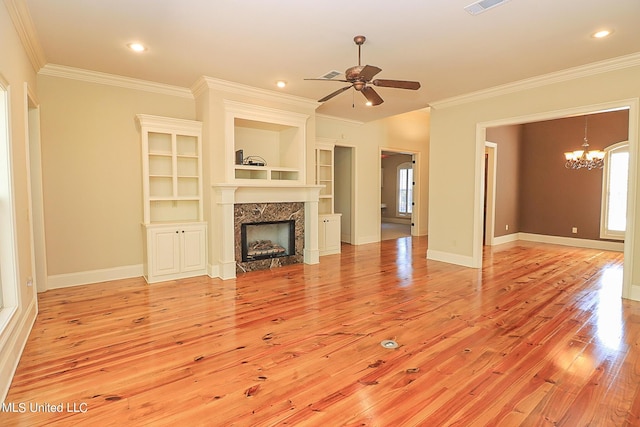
(538, 337)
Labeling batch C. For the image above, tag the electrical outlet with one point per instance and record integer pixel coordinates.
(574, 230)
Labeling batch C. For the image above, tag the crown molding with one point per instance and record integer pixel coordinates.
(205, 83)
(113, 80)
(23, 24)
(619, 63)
(341, 119)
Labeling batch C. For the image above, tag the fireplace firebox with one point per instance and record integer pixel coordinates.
(270, 239)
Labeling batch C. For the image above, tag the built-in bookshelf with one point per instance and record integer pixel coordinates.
(173, 225)
(172, 169)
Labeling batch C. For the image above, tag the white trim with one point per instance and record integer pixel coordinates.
(450, 258)
(340, 119)
(22, 22)
(209, 83)
(94, 276)
(13, 348)
(605, 66)
(79, 74)
(508, 238)
(572, 241)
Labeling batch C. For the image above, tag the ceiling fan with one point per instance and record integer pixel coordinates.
(360, 77)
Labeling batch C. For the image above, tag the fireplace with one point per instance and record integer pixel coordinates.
(265, 240)
(268, 235)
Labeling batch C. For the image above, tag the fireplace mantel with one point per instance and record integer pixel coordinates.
(225, 196)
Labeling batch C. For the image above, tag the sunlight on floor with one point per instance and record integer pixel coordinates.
(609, 324)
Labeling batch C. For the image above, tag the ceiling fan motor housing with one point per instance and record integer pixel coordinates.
(353, 73)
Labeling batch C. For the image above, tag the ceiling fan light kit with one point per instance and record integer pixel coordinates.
(360, 78)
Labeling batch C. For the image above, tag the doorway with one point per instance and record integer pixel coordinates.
(345, 191)
(398, 176)
(490, 164)
(632, 106)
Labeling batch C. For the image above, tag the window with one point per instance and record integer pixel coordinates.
(613, 219)
(405, 188)
(8, 261)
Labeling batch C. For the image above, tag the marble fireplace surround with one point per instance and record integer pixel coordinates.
(266, 212)
(228, 196)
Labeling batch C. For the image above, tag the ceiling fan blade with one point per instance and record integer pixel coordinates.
(332, 94)
(371, 95)
(399, 84)
(368, 71)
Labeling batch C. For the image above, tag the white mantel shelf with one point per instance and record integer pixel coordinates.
(265, 193)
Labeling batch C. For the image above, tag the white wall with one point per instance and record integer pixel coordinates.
(458, 131)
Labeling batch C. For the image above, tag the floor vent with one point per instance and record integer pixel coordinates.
(483, 5)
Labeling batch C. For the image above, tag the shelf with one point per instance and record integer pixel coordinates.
(266, 173)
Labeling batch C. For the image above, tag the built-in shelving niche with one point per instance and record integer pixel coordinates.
(272, 144)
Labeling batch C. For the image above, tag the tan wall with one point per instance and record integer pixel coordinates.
(91, 168)
(17, 72)
(456, 129)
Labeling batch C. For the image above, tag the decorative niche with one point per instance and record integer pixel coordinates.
(265, 146)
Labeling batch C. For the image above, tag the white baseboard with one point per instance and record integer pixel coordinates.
(12, 349)
(506, 239)
(367, 239)
(571, 241)
(465, 261)
(94, 276)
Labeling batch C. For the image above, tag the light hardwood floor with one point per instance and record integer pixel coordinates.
(538, 337)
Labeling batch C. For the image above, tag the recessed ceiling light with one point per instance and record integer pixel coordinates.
(281, 83)
(137, 47)
(601, 34)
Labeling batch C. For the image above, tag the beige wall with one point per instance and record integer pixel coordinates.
(92, 174)
(17, 72)
(458, 129)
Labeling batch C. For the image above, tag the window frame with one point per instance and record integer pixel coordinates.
(605, 232)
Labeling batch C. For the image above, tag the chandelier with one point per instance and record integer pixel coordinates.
(585, 158)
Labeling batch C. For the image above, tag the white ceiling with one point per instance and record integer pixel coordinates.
(257, 42)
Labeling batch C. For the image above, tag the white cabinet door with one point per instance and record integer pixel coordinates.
(176, 251)
(193, 248)
(329, 234)
(164, 250)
